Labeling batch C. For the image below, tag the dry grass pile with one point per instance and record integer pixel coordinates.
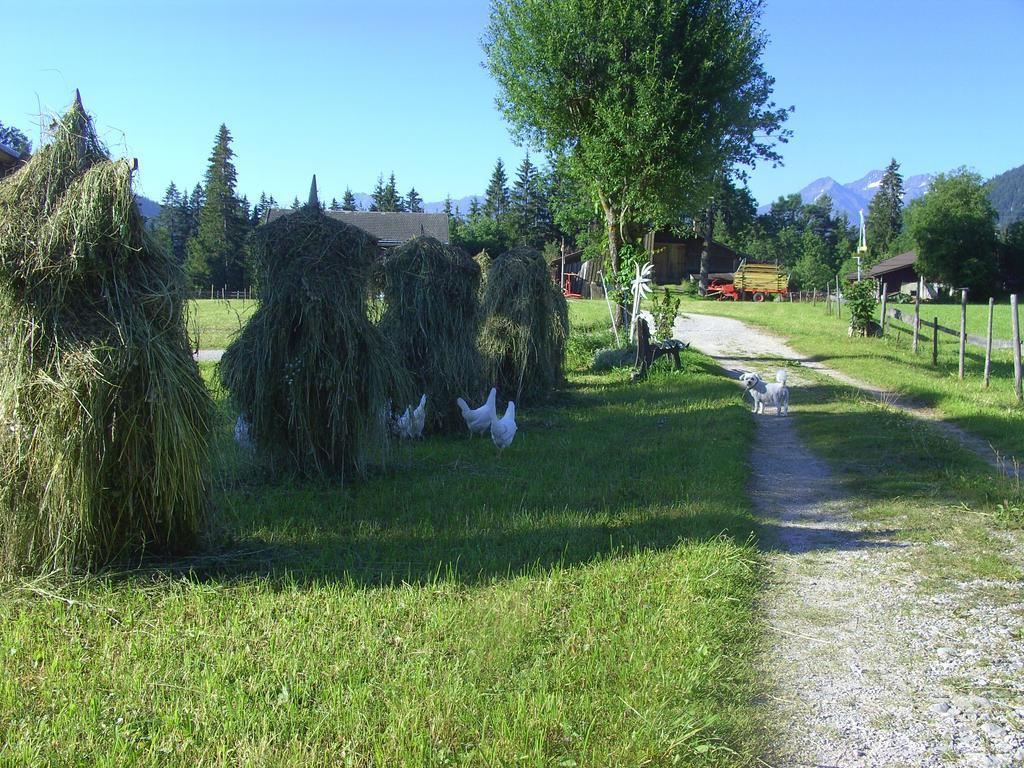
(104, 419)
(432, 318)
(526, 323)
(310, 371)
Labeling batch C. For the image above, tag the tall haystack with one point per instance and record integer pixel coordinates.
(525, 326)
(104, 419)
(431, 316)
(310, 372)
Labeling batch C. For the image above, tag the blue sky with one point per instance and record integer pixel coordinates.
(348, 90)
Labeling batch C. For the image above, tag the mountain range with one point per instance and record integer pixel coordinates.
(855, 196)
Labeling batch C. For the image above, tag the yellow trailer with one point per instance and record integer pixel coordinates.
(760, 280)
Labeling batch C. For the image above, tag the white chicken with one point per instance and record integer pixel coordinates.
(410, 423)
(478, 420)
(243, 433)
(503, 430)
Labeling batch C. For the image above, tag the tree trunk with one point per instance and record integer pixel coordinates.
(614, 242)
(705, 253)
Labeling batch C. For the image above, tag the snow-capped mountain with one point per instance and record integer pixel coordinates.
(856, 195)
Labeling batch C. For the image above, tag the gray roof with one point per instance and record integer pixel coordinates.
(389, 228)
(9, 158)
(893, 263)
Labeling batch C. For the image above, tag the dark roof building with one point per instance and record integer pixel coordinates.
(898, 274)
(390, 229)
(676, 259)
(10, 159)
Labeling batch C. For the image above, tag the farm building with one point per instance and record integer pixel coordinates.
(898, 275)
(389, 229)
(677, 259)
(9, 159)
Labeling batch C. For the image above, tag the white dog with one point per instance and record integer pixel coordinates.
(764, 394)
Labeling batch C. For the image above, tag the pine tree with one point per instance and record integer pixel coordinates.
(448, 206)
(392, 200)
(496, 198)
(296, 204)
(335, 206)
(474, 207)
(885, 212)
(413, 201)
(379, 194)
(530, 220)
(348, 202)
(216, 253)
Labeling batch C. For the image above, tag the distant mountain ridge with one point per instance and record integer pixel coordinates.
(856, 195)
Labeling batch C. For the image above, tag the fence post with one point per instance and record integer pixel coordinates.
(917, 312)
(839, 299)
(211, 291)
(881, 320)
(963, 329)
(988, 340)
(1016, 346)
(814, 297)
(935, 342)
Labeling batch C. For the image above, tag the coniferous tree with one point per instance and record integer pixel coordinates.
(335, 206)
(379, 195)
(216, 253)
(474, 207)
(413, 201)
(296, 204)
(496, 199)
(392, 199)
(173, 224)
(348, 202)
(448, 206)
(885, 212)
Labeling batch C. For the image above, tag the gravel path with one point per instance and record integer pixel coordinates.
(868, 669)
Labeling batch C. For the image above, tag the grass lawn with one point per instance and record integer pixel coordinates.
(212, 323)
(891, 363)
(588, 599)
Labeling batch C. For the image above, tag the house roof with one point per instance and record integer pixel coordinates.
(893, 263)
(388, 228)
(9, 158)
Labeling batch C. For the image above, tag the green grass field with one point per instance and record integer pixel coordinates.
(212, 323)
(890, 363)
(587, 598)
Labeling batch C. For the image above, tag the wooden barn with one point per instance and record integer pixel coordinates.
(677, 259)
(898, 274)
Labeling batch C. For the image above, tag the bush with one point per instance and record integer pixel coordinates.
(666, 308)
(860, 298)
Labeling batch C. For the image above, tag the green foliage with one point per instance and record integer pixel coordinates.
(216, 253)
(884, 221)
(496, 198)
(413, 201)
(815, 268)
(666, 308)
(525, 327)
(1006, 191)
(104, 445)
(617, 95)
(954, 228)
(386, 197)
(432, 318)
(15, 139)
(310, 372)
(859, 296)
(348, 202)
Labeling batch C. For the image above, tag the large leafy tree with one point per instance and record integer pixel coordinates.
(885, 212)
(650, 101)
(216, 253)
(954, 227)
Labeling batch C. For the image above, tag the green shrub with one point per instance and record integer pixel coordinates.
(666, 308)
(860, 298)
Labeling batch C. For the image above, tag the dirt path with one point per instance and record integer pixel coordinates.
(734, 344)
(868, 669)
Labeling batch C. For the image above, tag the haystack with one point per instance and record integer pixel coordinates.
(310, 372)
(431, 316)
(104, 419)
(525, 326)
